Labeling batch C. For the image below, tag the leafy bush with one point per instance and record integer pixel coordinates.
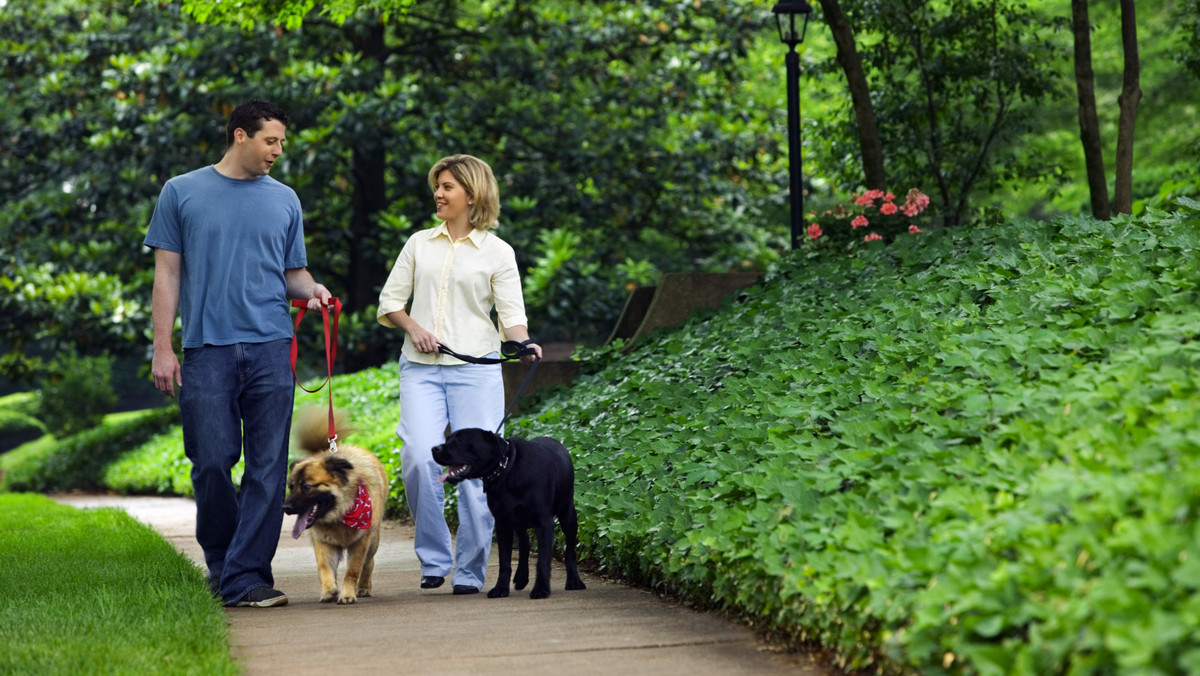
(77, 462)
(77, 394)
(25, 403)
(971, 452)
(18, 423)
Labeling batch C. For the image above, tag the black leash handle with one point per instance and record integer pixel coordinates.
(509, 350)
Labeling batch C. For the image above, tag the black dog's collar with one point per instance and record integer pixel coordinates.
(509, 455)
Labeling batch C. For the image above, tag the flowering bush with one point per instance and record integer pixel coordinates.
(872, 216)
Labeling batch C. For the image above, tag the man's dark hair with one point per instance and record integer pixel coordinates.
(249, 117)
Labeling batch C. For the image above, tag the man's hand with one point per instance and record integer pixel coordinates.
(166, 372)
(320, 296)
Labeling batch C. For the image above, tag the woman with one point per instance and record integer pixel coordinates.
(454, 275)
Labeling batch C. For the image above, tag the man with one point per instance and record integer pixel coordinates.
(229, 251)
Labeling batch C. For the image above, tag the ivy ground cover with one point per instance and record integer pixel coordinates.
(970, 452)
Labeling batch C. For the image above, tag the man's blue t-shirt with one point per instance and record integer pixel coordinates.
(236, 236)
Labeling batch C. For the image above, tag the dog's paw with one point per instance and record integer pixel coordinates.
(520, 581)
(576, 584)
(364, 593)
(347, 600)
(539, 593)
(498, 592)
(329, 596)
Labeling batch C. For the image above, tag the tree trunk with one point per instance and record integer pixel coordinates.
(860, 95)
(1131, 95)
(1089, 124)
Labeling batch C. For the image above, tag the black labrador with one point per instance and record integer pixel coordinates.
(528, 483)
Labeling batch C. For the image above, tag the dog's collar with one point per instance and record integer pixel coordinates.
(509, 454)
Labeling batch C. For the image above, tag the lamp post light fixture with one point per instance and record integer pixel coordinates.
(787, 14)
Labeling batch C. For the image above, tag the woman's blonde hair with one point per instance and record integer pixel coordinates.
(477, 179)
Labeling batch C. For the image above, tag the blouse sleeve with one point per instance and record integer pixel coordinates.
(399, 286)
(506, 291)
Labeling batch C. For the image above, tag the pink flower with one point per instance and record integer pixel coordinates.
(814, 231)
(915, 202)
(912, 230)
(889, 197)
(868, 197)
(888, 209)
(873, 237)
(858, 222)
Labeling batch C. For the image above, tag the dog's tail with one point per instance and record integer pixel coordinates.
(310, 429)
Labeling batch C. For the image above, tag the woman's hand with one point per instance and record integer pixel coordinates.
(530, 358)
(422, 339)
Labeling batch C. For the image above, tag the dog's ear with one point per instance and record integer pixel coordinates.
(339, 467)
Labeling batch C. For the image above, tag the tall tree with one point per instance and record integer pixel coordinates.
(860, 94)
(1089, 123)
(1131, 96)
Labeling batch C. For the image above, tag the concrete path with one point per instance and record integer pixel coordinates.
(609, 628)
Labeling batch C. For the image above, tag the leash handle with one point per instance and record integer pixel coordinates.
(509, 350)
(330, 354)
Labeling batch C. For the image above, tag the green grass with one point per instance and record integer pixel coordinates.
(95, 591)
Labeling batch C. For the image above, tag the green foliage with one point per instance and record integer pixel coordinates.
(972, 452)
(96, 592)
(18, 428)
(18, 420)
(25, 403)
(288, 13)
(78, 462)
(77, 395)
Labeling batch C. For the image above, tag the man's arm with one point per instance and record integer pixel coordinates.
(164, 368)
(302, 286)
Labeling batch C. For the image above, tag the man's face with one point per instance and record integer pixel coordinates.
(257, 154)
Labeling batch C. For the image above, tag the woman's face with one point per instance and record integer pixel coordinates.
(451, 198)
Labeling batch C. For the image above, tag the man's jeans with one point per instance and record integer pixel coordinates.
(237, 397)
(470, 395)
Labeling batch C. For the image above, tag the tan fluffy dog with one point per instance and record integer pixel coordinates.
(343, 519)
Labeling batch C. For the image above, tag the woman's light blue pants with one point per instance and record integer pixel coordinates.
(470, 395)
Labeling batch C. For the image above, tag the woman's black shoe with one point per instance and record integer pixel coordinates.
(432, 582)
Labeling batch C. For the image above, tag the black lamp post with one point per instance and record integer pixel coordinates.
(791, 34)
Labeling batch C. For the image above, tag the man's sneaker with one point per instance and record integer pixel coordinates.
(262, 597)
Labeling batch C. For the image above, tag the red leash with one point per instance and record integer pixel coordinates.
(330, 355)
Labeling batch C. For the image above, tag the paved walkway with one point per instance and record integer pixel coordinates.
(608, 628)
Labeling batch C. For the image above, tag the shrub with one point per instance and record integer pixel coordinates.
(17, 428)
(77, 394)
(77, 462)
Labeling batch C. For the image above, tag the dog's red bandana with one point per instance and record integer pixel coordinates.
(359, 515)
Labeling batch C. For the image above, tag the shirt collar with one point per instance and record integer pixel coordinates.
(476, 236)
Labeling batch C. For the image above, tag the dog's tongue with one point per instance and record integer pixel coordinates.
(444, 476)
(303, 521)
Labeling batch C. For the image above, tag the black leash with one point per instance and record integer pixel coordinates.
(509, 350)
